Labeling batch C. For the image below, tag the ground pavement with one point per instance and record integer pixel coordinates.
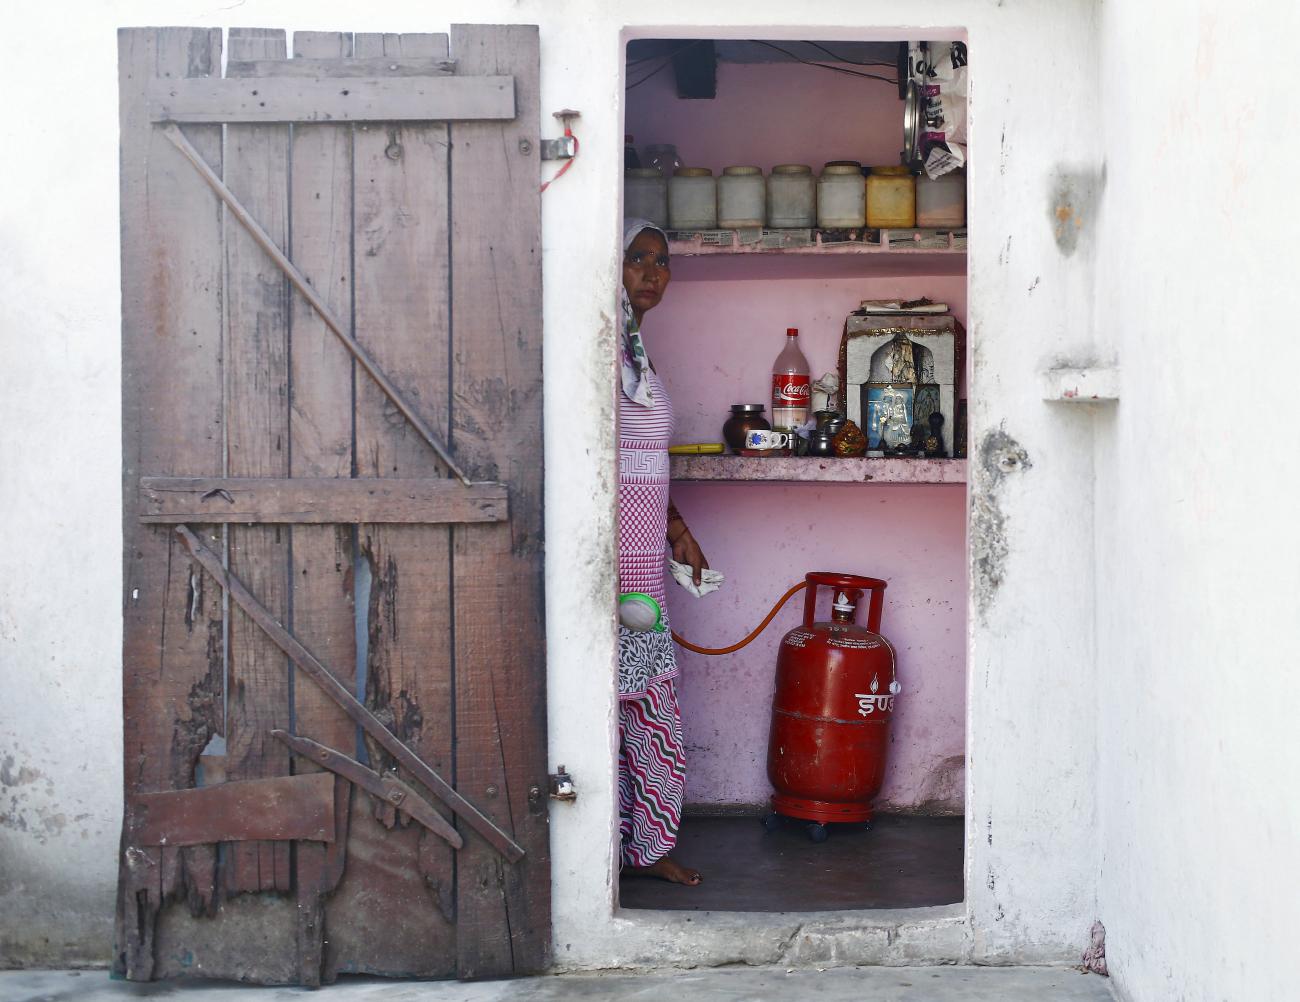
(731, 984)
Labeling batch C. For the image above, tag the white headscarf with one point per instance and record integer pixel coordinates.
(635, 361)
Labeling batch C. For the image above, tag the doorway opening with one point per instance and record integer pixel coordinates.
(765, 521)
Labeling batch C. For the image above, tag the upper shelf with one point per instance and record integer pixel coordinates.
(726, 254)
(815, 469)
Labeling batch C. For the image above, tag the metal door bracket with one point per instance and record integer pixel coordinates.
(562, 787)
(564, 148)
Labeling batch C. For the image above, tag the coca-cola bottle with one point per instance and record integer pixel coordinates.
(791, 390)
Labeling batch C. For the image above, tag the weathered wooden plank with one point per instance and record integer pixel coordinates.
(362, 99)
(318, 500)
(336, 66)
(340, 330)
(320, 434)
(503, 910)
(171, 423)
(257, 433)
(371, 724)
(287, 807)
(401, 314)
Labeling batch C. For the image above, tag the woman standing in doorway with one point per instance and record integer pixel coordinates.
(651, 764)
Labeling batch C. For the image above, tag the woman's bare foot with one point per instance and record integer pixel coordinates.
(666, 869)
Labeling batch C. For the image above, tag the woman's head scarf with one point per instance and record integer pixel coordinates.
(635, 362)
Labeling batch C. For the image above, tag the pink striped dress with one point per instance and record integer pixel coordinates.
(652, 768)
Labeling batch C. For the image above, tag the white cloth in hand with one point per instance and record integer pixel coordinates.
(685, 576)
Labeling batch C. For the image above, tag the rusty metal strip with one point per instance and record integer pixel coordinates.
(263, 240)
(371, 724)
(282, 808)
(387, 787)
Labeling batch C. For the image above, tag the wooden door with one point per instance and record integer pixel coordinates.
(332, 448)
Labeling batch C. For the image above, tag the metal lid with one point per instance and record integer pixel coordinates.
(741, 171)
(692, 172)
(838, 169)
(642, 172)
(857, 164)
(791, 169)
(890, 171)
(747, 408)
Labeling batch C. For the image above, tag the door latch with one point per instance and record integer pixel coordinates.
(566, 147)
(562, 787)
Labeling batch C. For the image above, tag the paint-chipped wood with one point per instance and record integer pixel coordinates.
(340, 244)
(287, 643)
(336, 65)
(322, 373)
(496, 422)
(319, 500)
(171, 423)
(283, 808)
(402, 301)
(257, 439)
(240, 213)
(360, 99)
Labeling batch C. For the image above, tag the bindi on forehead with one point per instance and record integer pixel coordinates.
(649, 240)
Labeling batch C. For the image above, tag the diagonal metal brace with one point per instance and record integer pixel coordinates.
(299, 280)
(336, 691)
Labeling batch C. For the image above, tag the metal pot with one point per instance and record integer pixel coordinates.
(820, 443)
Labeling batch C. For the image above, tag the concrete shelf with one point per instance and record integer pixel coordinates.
(815, 469)
(734, 254)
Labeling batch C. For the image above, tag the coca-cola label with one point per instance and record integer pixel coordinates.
(790, 390)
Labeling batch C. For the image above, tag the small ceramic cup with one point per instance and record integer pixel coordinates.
(758, 438)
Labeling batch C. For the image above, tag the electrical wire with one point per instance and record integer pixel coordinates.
(568, 131)
(844, 59)
(833, 69)
(654, 72)
(665, 61)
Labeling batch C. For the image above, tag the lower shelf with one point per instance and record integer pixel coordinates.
(814, 469)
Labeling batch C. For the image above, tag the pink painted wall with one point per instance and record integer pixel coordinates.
(713, 339)
(713, 342)
(772, 113)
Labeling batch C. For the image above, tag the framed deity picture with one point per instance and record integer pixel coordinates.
(888, 410)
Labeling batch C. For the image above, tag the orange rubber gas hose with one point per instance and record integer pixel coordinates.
(760, 628)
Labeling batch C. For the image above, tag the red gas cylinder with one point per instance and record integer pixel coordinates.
(835, 692)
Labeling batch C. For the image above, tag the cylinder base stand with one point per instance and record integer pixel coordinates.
(821, 811)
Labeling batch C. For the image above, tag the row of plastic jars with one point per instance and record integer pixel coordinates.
(792, 198)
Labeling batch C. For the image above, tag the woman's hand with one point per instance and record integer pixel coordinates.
(686, 550)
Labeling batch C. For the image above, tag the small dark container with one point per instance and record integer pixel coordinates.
(820, 443)
(744, 418)
(832, 421)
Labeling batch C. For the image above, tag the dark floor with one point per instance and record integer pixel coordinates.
(902, 862)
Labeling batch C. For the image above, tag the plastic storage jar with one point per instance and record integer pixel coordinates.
(645, 195)
(741, 197)
(693, 199)
(841, 197)
(791, 197)
(891, 198)
(942, 202)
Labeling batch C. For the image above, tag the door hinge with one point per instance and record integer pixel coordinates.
(562, 787)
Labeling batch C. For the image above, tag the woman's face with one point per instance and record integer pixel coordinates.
(645, 271)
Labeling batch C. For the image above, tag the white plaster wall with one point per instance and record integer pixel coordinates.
(1198, 548)
(1031, 857)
